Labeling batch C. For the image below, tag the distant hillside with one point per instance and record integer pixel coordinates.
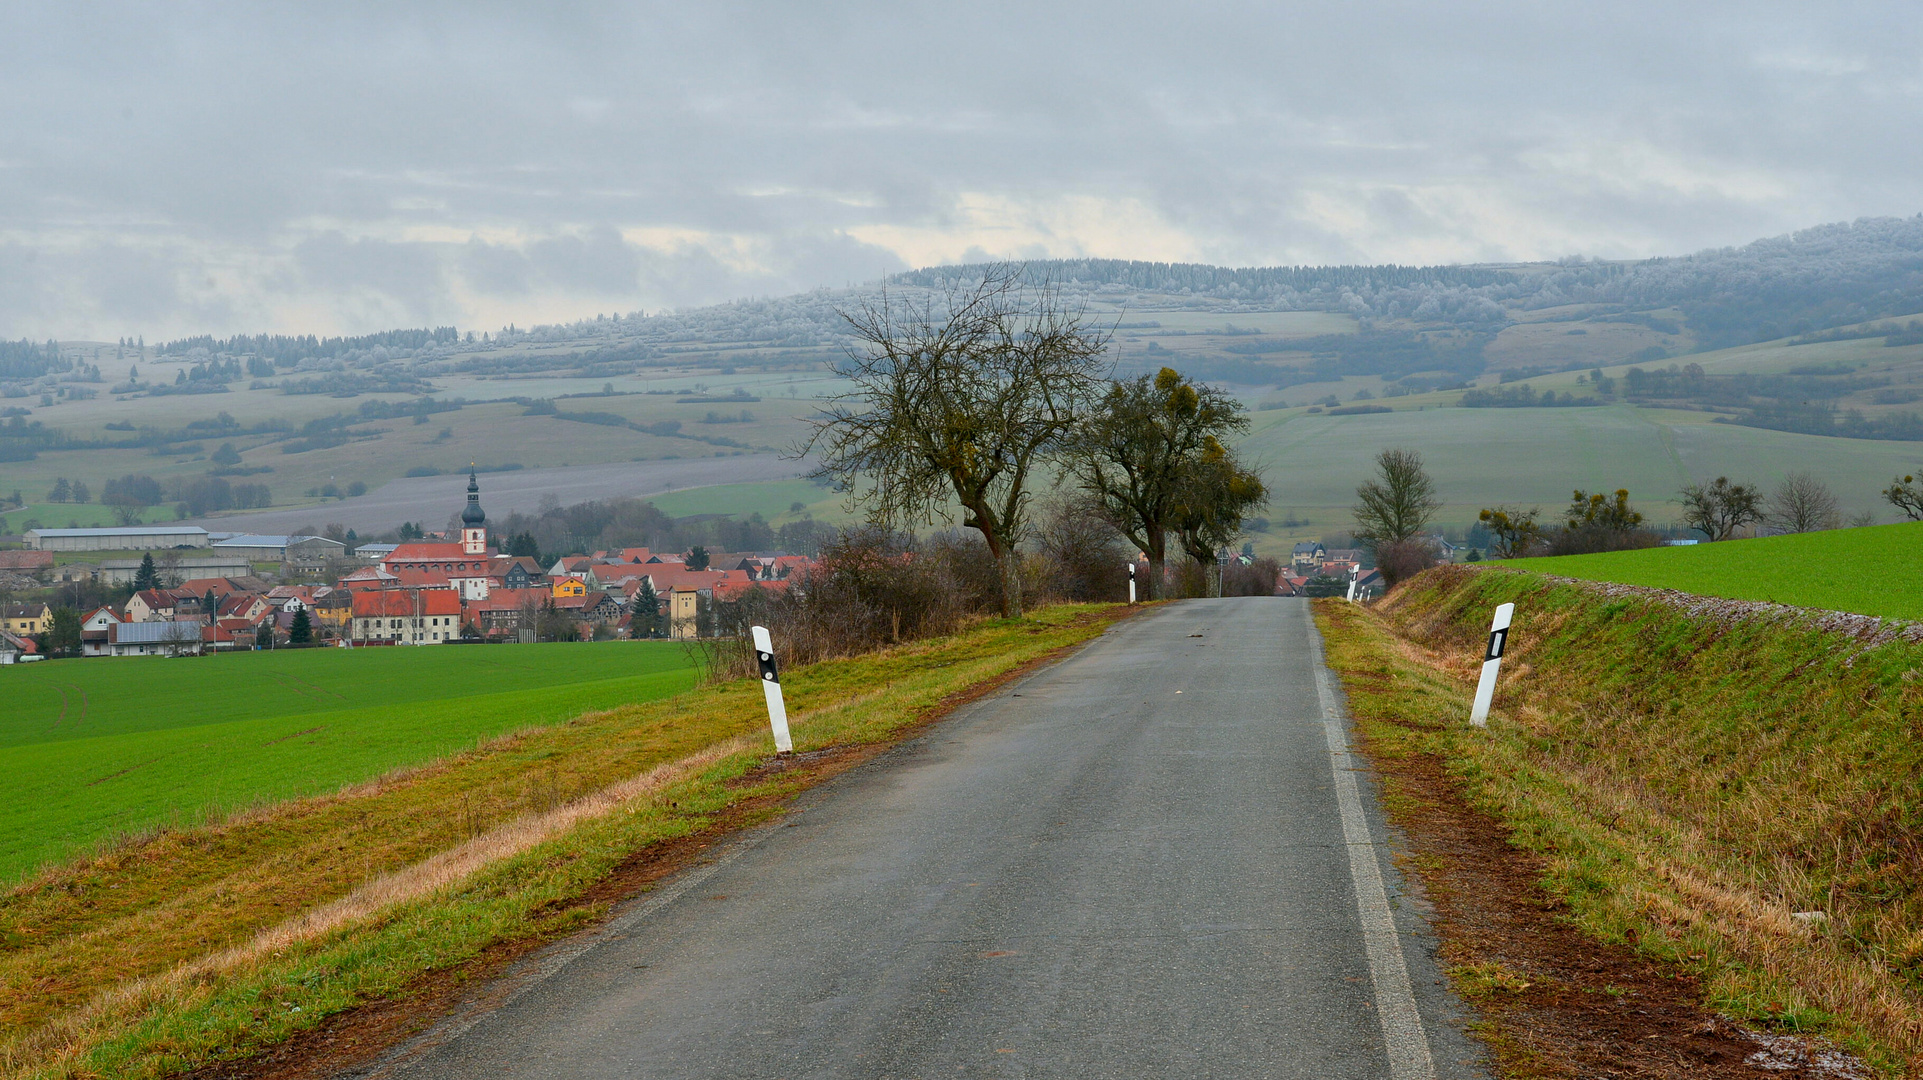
(1807, 282)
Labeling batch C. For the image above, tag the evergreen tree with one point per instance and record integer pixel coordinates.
(301, 632)
(147, 577)
(644, 617)
(62, 491)
(63, 632)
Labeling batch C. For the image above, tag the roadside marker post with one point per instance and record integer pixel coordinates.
(1355, 575)
(771, 686)
(1491, 660)
(1131, 583)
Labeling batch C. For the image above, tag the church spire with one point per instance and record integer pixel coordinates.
(473, 518)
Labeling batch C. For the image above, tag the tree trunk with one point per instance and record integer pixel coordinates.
(1008, 562)
(1157, 575)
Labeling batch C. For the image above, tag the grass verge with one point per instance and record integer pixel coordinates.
(213, 943)
(1689, 777)
(1815, 570)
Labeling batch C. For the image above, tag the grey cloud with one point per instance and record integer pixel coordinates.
(315, 148)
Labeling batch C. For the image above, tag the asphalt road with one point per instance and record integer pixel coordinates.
(1136, 863)
(432, 500)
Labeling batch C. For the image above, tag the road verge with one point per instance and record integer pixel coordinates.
(217, 944)
(1714, 798)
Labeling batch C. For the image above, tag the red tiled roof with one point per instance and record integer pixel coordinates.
(730, 590)
(509, 599)
(405, 602)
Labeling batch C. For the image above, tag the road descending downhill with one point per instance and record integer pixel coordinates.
(1153, 859)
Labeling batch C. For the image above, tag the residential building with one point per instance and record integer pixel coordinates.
(26, 619)
(93, 631)
(406, 617)
(1307, 556)
(568, 585)
(152, 605)
(15, 649)
(128, 538)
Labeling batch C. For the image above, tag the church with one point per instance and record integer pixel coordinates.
(465, 566)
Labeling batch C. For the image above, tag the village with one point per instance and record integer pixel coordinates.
(208, 593)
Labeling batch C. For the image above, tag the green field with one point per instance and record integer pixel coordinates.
(1872, 571)
(94, 748)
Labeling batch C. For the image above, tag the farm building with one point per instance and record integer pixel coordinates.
(312, 551)
(123, 571)
(153, 639)
(126, 538)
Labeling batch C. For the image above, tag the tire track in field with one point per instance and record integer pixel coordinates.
(318, 688)
(85, 703)
(304, 689)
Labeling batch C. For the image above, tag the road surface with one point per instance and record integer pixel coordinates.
(1146, 861)
(431, 500)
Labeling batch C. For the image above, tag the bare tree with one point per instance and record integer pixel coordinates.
(959, 399)
(1718, 508)
(1398, 504)
(1132, 453)
(1906, 495)
(1802, 503)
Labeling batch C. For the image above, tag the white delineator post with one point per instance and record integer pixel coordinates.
(1491, 660)
(1131, 583)
(771, 686)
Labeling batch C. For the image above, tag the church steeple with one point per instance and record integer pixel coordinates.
(473, 518)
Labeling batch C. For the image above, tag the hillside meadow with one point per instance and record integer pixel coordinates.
(95, 749)
(1870, 571)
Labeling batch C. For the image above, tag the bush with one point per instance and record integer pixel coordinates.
(1405, 559)
(1255, 579)
(1586, 541)
(871, 588)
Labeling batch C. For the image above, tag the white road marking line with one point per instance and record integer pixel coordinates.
(1395, 1001)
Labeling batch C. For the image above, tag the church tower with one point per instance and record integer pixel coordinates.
(473, 520)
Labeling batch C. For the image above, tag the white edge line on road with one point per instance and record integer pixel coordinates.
(1395, 1000)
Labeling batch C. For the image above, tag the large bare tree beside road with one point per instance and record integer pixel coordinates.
(959, 398)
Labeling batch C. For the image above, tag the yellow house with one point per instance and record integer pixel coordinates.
(27, 618)
(569, 585)
(683, 609)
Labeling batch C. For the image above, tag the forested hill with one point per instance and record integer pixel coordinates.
(1812, 280)
(1806, 282)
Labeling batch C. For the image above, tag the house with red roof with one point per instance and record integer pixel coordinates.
(405, 617)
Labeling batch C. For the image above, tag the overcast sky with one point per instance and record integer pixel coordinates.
(175, 169)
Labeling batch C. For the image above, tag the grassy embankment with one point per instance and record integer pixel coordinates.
(91, 749)
(1691, 776)
(213, 942)
(1871, 571)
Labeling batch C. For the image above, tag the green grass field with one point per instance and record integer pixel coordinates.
(1871, 571)
(93, 748)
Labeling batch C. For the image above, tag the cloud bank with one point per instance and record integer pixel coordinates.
(177, 170)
